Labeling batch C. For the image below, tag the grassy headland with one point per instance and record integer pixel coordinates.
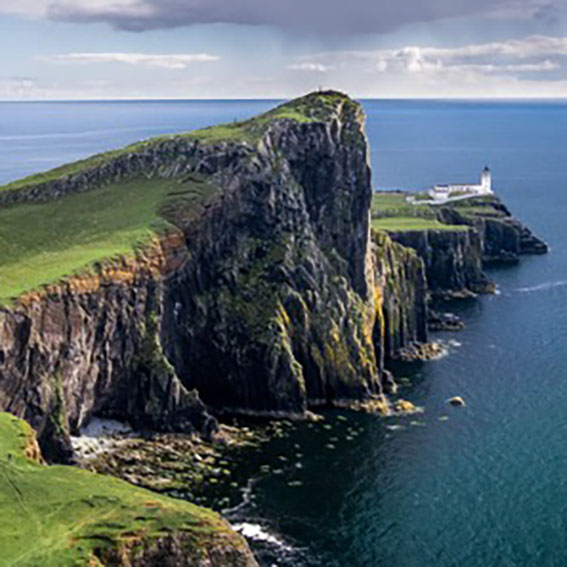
(392, 212)
(310, 108)
(58, 516)
(42, 242)
(406, 224)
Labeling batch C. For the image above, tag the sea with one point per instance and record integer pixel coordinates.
(479, 486)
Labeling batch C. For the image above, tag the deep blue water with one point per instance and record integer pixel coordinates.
(488, 486)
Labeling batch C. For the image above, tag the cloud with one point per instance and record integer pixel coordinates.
(42, 8)
(309, 66)
(512, 68)
(167, 61)
(533, 54)
(325, 17)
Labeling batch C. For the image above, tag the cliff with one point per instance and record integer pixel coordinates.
(230, 270)
(256, 291)
(453, 260)
(504, 239)
(91, 346)
(401, 298)
(456, 240)
(64, 516)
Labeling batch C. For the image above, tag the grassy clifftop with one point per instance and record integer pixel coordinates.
(42, 242)
(57, 516)
(391, 212)
(310, 108)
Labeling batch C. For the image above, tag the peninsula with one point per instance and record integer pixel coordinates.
(243, 269)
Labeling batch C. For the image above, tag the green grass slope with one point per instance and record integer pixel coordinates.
(406, 224)
(392, 213)
(58, 516)
(41, 243)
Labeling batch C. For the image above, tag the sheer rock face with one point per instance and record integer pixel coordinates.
(68, 355)
(273, 311)
(453, 260)
(400, 297)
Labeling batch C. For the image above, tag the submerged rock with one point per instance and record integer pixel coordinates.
(404, 406)
(422, 352)
(438, 321)
(456, 401)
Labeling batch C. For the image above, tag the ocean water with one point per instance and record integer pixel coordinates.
(481, 486)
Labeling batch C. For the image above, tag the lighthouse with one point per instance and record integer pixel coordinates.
(486, 180)
(444, 193)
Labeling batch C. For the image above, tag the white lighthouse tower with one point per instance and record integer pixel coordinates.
(486, 180)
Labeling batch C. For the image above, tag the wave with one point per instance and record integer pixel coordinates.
(256, 532)
(542, 286)
(268, 547)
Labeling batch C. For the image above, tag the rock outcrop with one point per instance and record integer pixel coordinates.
(453, 260)
(504, 238)
(272, 313)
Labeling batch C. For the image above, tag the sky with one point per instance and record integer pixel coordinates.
(182, 49)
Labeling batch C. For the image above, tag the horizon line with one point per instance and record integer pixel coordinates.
(286, 98)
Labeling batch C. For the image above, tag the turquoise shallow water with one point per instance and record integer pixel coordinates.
(487, 487)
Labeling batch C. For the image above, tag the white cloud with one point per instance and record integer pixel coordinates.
(513, 68)
(532, 46)
(167, 61)
(310, 66)
(533, 54)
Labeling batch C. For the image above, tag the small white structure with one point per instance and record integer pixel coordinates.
(444, 192)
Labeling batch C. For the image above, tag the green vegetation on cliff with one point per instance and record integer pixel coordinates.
(42, 242)
(391, 212)
(404, 224)
(310, 108)
(58, 516)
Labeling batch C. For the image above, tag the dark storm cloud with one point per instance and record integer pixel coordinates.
(316, 16)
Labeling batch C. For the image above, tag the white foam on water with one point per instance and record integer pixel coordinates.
(542, 286)
(257, 532)
(98, 436)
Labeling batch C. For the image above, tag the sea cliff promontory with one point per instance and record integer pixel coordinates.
(244, 269)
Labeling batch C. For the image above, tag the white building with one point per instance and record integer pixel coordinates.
(442, 192)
